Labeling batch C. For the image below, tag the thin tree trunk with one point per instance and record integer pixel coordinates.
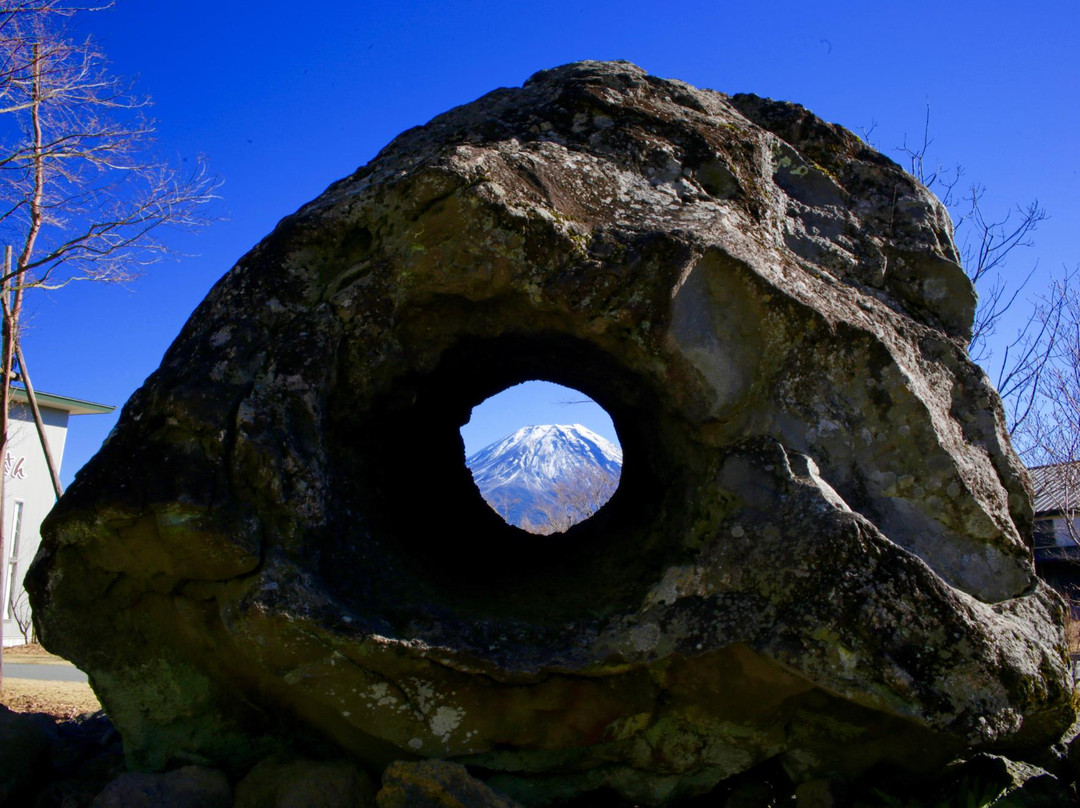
(24, 376)
(7, 356)
(11, 311)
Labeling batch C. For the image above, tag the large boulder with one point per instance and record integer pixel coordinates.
(819, 550)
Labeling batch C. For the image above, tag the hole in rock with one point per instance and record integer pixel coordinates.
(409, 526)
(543, 456)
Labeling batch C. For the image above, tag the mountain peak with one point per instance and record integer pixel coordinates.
(527, 476)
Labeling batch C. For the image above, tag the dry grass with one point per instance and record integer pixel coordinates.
(33, 653)
(58, 699)
(1072, 632)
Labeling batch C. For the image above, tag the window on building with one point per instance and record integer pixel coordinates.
(1044, 533)
(13, 556)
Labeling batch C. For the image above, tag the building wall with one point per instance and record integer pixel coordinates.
(28, 497)
(1053, 531)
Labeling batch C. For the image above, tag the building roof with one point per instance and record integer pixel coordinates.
(1057, 487)
(73, 406)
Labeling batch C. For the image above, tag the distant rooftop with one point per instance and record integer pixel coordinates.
(74, 406)
(1057, 487)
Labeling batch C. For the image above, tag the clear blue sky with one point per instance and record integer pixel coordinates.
(531, 403)
(283, 99)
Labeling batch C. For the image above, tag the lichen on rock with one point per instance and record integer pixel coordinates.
(818, 552)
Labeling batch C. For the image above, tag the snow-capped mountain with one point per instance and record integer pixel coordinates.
(548, 477)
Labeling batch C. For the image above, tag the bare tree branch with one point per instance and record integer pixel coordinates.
(83, 196)
(571, 500)
(83, 192)
(986, 245)
(1049, 439)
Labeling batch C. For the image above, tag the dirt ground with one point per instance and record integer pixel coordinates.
(59, 699)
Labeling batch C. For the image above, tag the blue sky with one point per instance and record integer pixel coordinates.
(529, 403)
(284, 99)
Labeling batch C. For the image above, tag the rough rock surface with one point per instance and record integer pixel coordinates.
(186, 787)
(291, 783)
(24, 754)
(435, 783)
(818, 551)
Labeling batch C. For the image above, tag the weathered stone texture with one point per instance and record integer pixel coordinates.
(433, 784)
(289, 783)
(186, 787)
(818, 552)
(24, 754)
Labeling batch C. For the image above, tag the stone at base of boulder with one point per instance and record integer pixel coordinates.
(82, 759)
(87, 754)
(1017, 784)
(283, 783)
(436, 784)
(51, 764)
(820, 794)
(25, 740)
(188, 787)
(981, 781)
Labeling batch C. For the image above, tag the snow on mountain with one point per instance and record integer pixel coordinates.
(547, 477)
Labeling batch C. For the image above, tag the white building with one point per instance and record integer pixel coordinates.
(29, 495)
(1057, 489)
(1057, 527)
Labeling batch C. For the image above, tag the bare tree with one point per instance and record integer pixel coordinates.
(986, 245)
(19, 607)
(571, 500)
(83, 196)
(1050, 437)
(1037, 372)
(503, 504)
